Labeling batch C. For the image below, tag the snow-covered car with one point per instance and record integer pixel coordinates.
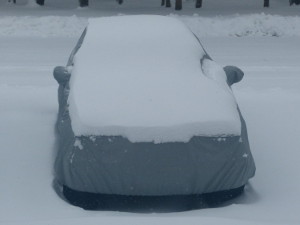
(148, 120)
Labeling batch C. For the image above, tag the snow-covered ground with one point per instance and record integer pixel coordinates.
(269, 97)
(252, 25)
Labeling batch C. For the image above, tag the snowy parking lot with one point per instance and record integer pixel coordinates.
(269, 98)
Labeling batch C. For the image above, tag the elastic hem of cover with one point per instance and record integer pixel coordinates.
(160, 204)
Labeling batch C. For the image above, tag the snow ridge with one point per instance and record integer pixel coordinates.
(46, 26)
(254, 25)
(237, 26)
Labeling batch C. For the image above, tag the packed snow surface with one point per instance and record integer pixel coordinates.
(148, 84)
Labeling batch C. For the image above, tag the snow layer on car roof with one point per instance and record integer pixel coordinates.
(140, 77)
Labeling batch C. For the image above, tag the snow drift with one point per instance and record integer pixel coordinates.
(237, 25)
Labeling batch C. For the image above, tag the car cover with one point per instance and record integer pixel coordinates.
(114, 164)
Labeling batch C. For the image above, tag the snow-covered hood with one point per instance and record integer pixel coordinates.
(141, 77)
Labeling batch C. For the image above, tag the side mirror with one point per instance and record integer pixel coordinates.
(234, 74)
(61, 74)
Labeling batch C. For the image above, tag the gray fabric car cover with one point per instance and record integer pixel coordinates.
(113, 165)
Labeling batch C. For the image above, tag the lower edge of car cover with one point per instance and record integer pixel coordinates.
(135, 203)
